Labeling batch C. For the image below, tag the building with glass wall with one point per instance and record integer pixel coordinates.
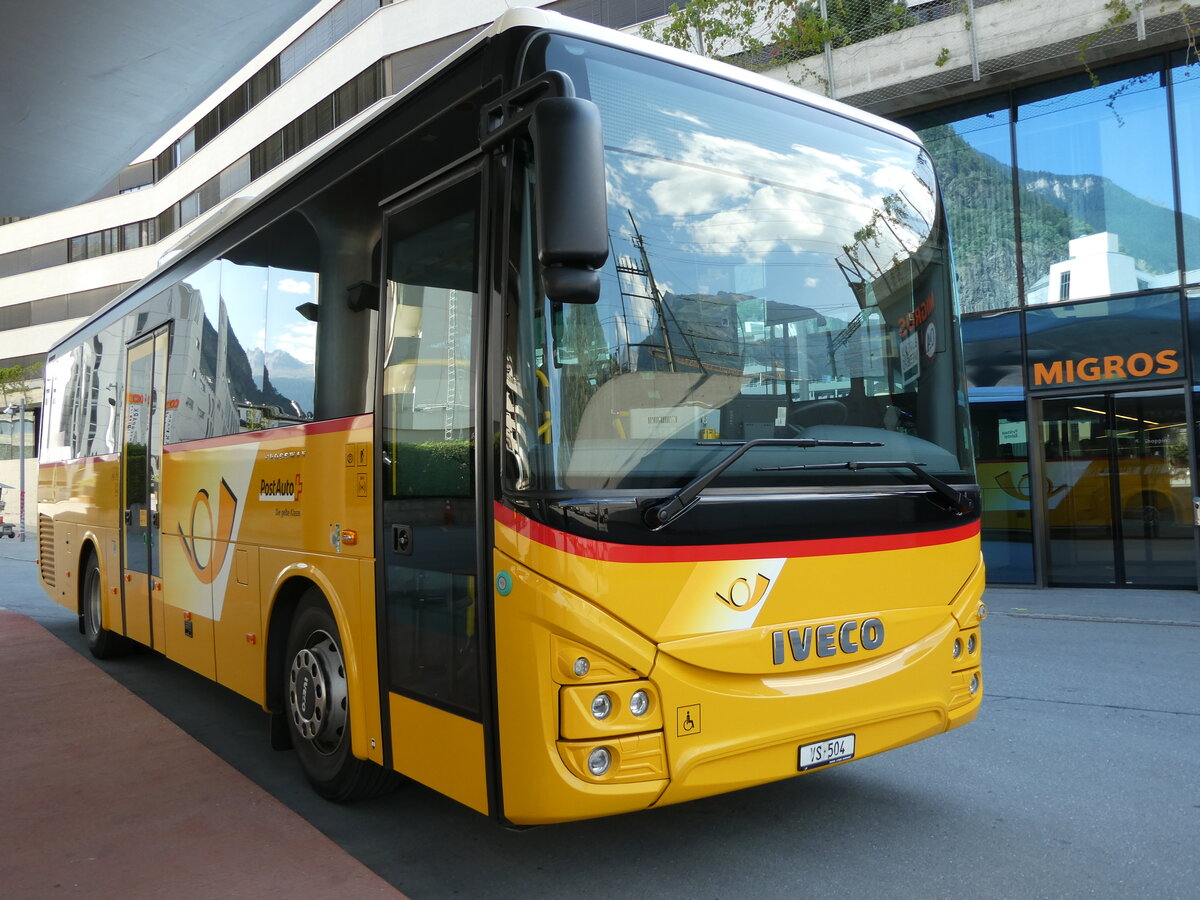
(1075, 213)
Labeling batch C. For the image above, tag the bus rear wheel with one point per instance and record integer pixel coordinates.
(102, 643)
(317, 709)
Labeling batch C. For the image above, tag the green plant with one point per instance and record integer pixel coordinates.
(760, 34)
(14, 380)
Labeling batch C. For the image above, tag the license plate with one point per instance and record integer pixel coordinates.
(827, 752)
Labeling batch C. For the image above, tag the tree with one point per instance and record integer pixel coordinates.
(14, 381)
(759, 34)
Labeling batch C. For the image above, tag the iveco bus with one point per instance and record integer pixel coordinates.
(578, 430)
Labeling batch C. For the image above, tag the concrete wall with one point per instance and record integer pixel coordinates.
(1012, 42)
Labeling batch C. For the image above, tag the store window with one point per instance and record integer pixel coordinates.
(992, 347)
(1096, 193)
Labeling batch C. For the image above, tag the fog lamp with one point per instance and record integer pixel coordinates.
(599, 760)
(975, 683)
(582, 667)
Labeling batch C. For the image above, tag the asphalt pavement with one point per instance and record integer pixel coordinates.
(1080, 778)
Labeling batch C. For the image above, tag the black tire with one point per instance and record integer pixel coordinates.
(316, 707)
(102, 643)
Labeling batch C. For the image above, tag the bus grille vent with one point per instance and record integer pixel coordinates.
(46, 549)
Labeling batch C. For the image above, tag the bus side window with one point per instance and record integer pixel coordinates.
(266, 328)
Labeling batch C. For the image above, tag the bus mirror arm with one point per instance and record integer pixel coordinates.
(570, 191)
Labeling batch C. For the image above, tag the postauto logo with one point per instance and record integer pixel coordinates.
(220, 527)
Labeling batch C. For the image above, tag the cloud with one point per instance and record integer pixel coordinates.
(728, 196)
(294, 286)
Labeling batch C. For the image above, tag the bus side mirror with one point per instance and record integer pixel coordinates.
(572, 206)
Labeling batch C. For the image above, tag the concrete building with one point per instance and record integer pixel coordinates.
(1066, 139)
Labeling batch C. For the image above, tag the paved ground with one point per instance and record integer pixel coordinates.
(101, 796)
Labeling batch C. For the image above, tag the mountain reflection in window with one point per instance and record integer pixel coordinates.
(243, 356)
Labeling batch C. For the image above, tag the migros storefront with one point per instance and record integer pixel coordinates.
(1075, 213)
(1081, 414)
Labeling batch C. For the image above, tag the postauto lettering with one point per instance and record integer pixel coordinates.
(827, 640)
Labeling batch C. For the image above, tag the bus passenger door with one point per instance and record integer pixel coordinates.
(430, 523)
(141, 477)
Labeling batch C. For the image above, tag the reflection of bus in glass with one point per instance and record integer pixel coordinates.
(607, 451)
(1079, 494)
(1152, 495)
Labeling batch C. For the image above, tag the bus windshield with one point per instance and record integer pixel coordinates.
(774, 272)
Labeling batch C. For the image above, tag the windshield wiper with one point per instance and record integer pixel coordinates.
(958, 501)
(663, 513)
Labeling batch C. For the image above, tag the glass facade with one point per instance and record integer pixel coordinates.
(1074, 208)
(1096, 193)
(1070, 190)
(974, 162)
(992, 346)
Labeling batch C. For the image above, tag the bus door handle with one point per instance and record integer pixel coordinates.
(129, 517)
(402, 538)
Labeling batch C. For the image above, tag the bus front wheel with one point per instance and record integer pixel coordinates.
(317, 709)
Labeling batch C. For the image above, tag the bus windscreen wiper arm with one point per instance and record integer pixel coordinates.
(663, 513)
(959, 501)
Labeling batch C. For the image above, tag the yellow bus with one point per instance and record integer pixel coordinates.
(577, 431)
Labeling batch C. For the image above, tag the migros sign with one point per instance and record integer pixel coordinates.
(1105, 368)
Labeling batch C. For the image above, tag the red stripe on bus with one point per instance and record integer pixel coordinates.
(631, 553)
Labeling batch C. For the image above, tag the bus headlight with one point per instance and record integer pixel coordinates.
(600, 712)
(601, 707)
(581, 667)
(639, 702)
(956, 652)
